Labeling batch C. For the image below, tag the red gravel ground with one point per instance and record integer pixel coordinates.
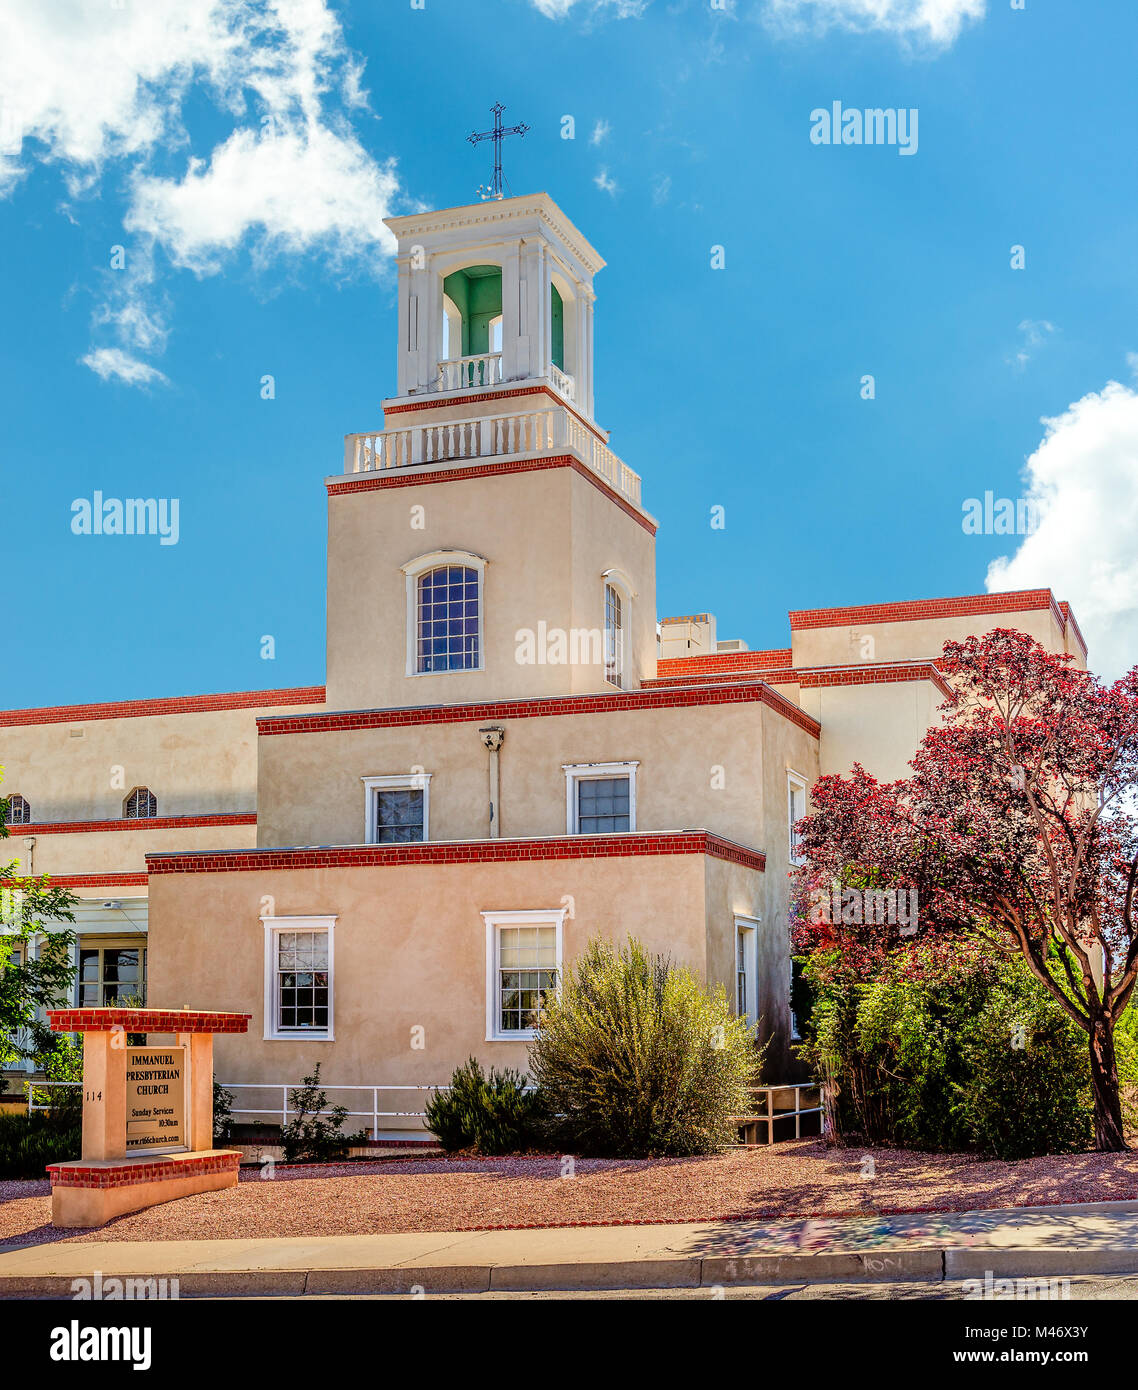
(804, 1178)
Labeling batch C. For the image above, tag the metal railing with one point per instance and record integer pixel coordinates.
(285, 1108)
(772, 1115)
(31, 1087)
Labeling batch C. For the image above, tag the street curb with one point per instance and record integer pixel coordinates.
(929, 1265)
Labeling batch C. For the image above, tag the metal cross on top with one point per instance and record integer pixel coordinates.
(497, 135)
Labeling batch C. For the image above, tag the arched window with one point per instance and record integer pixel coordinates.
(614, 636)
(444, 613)
(141, 804)
(19, 812)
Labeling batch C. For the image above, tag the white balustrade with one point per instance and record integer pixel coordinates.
(535, 432)
(467, 373)
(563, 382)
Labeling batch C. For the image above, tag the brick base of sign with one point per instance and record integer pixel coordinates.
(91, 1192)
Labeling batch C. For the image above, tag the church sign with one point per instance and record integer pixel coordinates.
(155, 1098)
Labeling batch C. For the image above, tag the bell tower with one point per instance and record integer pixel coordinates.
(486, 543)
(499, 293)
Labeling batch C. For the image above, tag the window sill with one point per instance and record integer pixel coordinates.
(300, 1037)
(522, 1035)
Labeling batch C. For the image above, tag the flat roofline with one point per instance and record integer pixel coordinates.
(621, 844)
(174, 704)
(915, 610)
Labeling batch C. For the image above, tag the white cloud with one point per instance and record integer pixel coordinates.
(1084, 480)
(934, 22)
(622, 9)
(1033, 334)
(601, 132)
(606, 183)
(112, 364)
(87, 85)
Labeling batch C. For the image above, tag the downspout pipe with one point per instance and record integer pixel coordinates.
(493, 738)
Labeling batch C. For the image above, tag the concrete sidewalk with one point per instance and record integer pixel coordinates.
(1091, 1238)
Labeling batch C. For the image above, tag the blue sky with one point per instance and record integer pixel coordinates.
(243, 154)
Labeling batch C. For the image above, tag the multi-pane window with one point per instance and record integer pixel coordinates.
(447, 620)
(141, 804)
(603, 805)
(614, 636)
(302, 981)
(110, 975)
(742, 1004)
(19, 812)
(527, 972)
(796, 809)
(398, 815)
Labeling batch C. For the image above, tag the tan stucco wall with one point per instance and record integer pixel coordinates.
(879, 726)
(410, 950)
(311, 791)
(907, 641)
(194, 763)
(117, 851)
(547, 537)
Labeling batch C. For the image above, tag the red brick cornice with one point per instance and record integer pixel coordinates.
(748, 692)
(401, 477)
(724, 662)
(88, 880)
(617, 846)
(85, 827)
(970, 605)
(182, 704)
(814, 677)
(410, 407)
(79, 1020)
(129, 1173)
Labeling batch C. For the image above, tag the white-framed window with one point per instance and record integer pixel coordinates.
(298, 978)
(794, 974)
(445, 612)
(397, 810)
(614, 636)
(19, 812)
(110, 972)
(795, 810)
(747, 968)
(600, 798)
(523, 966)
(141, 804)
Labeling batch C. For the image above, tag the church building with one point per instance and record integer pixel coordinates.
(511, 754)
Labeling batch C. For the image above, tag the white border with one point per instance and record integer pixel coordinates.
(419, 566)
(750, 925)
(795, 779)
(580, 772)
(538, 917)
(407, 781)
(273, 925)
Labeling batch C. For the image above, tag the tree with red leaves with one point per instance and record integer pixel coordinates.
(1018, 829)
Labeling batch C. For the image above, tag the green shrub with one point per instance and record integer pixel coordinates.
(492, 1114)
(28, 1143)
(222, 1114)
(970, 1056)
(316, 1134)
(636, 1058)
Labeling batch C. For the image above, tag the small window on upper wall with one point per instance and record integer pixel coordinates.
(397, 808)
(19, 812)
(796, 809)
(600, 798)
(141, 804)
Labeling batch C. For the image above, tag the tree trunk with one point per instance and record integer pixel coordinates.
(1109, 1137)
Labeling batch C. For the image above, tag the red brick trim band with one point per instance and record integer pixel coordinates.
(618, 846)
(751, 692)
(813, 677)
(84, 827)
(725, 662)
(182, 704)
(971, 605)
(399, 477)
(146, 1021)
(130, 1173)
(1070, 617)
(89, 880)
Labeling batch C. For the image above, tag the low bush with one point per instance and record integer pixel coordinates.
(489, 1114)
(316, 1134)
(974, 1055)
(28, 1143)
(636, 1058)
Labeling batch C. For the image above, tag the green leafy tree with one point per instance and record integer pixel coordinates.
(27, 905)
